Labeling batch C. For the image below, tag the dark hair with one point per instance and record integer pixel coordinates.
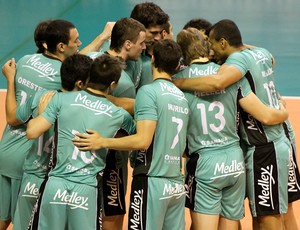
(198, 23)
(167, 27)
(39, 35)
(193, 44)
(74, 68)
(104, 70)
(125, 29)
(167, 54)
(228, 30)
(149, 14)
(57, 31)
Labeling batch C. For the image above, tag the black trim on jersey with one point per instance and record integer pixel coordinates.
(99, 222)
(266, 181)
(190, 182)
(34, 221)
(294, 175)
(53, 157)
(294, 178)
(143, 161)
(94, 94)
(113, 189)
(253, 128)
(50, 57)
(137, 213)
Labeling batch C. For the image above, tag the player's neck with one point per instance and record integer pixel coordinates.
(157, 74)
(54, 55)
(200, 60)
(117, 54)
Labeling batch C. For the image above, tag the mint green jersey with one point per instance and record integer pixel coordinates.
(125, 87)
(134, 71)
(255, 65)
(37, 159)
(146, 76)
(75, 112)
(164, 103)
(214, 116)
(33, 73)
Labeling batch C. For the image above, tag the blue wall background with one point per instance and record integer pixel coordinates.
(273, 24)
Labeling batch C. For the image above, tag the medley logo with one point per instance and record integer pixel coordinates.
(30, 190)
(259, 57)
(172, 90)
(97, 106)
(266, 182)
(113, 183)
(141, 156)
(251, 122)
(189, 186)
(136, 206)
(222, 170)
(175, 190)
(202, 72)
(73, 199)
(44, 69)
(293, 185)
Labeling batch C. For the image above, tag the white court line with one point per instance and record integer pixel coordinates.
(286, 97)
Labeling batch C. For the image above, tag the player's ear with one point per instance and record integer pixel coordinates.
(79, 85)
(112, 86)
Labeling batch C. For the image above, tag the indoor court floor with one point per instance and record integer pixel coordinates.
(293, 106)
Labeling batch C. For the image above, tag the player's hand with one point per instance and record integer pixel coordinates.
(106, 33)
(90, 141)
(9, 70)
(282, 102)
(45, 99)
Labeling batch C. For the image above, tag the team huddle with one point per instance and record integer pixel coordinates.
(198, 119)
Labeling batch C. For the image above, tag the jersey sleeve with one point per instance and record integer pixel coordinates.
(24, 111)
(145, 107)
(237, 60)
(129, 124)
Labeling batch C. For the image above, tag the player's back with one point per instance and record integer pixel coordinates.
(162, 101)
(76, 112)
(214, 115)
(256, 65)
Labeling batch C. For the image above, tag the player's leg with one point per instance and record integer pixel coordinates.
(175, 199)
(114, 185)
(201, 221)
(225, 224)
(112, 222)
(233, 193)
(289, 219)
(9, 188)
(267, 179)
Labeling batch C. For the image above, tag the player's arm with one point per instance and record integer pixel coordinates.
(37, 126)
(9, 71)
(266, 115)
(226, 76)
(139, 141)
(96, 44)
(124, 102)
